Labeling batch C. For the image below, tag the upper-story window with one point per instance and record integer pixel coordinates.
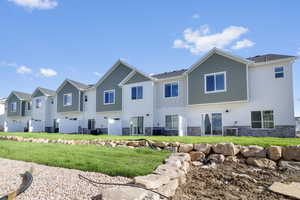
(109, 97)
(38, 103)
(171, 89)
(262, 119)
(215, 82)
(29, 105)
(67, 99)
(13, 107)
(137, 92)
(279, 72)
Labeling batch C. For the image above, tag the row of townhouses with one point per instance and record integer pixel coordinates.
(221, 94)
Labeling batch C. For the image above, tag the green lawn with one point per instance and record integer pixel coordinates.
(112, 161)
(262, 141)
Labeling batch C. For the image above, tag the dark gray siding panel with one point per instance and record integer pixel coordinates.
(68, 88)
(10, 100)
(236, 81)
(81, 101)
(38, 94)
(136, 78)
(110, 83)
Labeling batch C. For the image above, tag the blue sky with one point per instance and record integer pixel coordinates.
(42, 42)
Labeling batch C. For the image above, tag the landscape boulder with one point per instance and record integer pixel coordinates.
(169, 188)
(261, 163)
(205, 148)
(160, 144)
(151, 181)
(254, 151)
(217, 158)
(274, 152)
(133, 144)
(291, 153)
(196, 155)
(291, 165)
(123, 193)
(185, 148)
(227, 149)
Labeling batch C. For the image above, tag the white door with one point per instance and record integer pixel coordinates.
(114, 126)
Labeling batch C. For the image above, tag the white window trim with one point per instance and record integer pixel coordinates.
(13, 110)
(172, 122)
(262, 120)
(214, 74)
(131, 93)
(164, 90)
(71, 99)
(104, 97)
(279, 72)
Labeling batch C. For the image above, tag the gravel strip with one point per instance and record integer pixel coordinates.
(52, 182)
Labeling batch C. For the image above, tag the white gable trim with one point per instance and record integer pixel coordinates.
(64, 83)
(117, 65)
(291, 59)
(38, 89)
(220, 52)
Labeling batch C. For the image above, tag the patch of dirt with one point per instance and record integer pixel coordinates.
(233, 181)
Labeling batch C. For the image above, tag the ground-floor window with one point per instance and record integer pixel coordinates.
(172, 122)
(262, 119)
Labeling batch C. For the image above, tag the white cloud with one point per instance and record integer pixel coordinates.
(98, 74)
(7, 64)
(243, 44)
(24, 70)
(36, 4)
(47, 72)
(196, 16)
(200, 40)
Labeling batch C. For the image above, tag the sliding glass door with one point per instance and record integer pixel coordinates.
(137, 126)
(212, 124)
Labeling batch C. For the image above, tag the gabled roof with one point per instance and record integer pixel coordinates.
(169, 74)
(46, 92)
(115, 66)
(21, 95)
(78, 85)
(222, 53)
(269, 57)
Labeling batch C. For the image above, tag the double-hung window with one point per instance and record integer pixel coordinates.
(262, 119)
(215, 82)
(171, 89)
(172, 122)
(109, 97)
(279, 72)
(68, 99)
(137, 92)
(13, 107)
(38, 103)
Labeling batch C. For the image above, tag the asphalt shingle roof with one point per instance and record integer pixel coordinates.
(169, 74)
(22, 95)
(79, 85)
(268, 57)
(48, 92)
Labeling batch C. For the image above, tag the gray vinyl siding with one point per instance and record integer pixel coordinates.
(10, 100)
(81, 101)
(68, 88)
(236, 81)
(38, 94)
(136, 78)
(112, 83)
